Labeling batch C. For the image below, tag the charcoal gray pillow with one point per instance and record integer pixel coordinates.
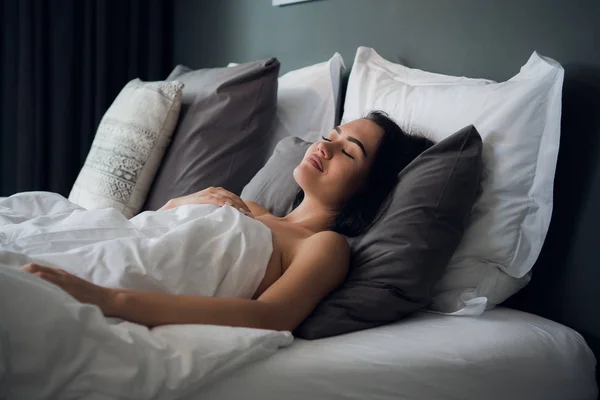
(396, 264)
(219, 139)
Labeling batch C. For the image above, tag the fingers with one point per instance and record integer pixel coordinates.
(47, 273)
(235, 202)
(212, 195)
(33, 268)
(232, 201)
(29, 267)
(222, 197)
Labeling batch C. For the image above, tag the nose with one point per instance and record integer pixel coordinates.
(322, 147)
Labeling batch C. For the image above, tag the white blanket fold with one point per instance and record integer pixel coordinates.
(201, 250)
(53, 347)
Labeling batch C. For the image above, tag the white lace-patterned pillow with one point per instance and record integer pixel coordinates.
(129, 145)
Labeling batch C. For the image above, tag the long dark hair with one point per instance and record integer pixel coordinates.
(395, 151)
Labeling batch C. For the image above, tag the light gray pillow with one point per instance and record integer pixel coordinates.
(128, 147)
(274, 186)
(396, 264)
(220, 139)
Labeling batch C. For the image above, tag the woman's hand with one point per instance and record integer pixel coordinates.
(213, 195)
(82, 290)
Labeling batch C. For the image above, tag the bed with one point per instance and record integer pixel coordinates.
(505, 354)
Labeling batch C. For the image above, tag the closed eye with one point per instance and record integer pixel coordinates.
(343, 151)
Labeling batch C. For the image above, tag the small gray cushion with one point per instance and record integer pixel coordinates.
(219, 140)
(396, 264)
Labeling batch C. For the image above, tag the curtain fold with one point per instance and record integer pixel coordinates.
(62, 64)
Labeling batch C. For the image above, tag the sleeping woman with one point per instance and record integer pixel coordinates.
(345, 179)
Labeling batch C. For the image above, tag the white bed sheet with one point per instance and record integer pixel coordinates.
(504, 354)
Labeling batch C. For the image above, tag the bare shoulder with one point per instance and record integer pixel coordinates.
(330, 240)
(326, 248)
(319, 266)
(256, 209)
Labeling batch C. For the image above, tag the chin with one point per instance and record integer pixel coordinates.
(304, 175)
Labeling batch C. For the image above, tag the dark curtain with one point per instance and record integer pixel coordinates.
(62, 63)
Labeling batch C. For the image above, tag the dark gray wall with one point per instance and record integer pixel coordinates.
(477, 38)
(486, 38)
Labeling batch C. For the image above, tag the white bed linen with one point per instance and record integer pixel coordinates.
(194, 249)
(503, 354)
(53, 347)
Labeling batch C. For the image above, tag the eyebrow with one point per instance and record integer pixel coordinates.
(353, 140)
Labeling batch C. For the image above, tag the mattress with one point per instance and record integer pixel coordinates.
(504, 354)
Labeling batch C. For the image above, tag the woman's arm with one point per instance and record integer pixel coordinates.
(321, 266)
(154, 309)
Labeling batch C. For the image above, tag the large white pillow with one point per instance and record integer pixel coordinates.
(128, 147)
(519, 121)
(308, 101)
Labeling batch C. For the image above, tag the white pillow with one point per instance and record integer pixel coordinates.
(128, 147)
(519, 121)
(308, 101)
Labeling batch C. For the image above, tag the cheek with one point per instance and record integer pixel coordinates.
(346, 181)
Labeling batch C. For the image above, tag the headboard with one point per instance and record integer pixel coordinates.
(475, 38)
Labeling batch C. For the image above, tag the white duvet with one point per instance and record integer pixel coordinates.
(52, 346)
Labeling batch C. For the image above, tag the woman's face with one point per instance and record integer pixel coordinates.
(334, 168)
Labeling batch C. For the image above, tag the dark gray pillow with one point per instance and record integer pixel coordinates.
(396, 264)
(219, 139)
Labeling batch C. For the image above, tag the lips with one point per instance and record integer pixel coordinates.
(314, 160)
